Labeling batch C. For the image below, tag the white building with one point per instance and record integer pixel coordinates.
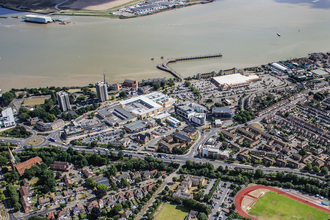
(279, 67)
(63, 101)
(102, 91)
(210, 151)
(7, 118)
(192, 112)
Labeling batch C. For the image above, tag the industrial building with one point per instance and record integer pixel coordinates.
(102, 91)
(38, 19)
(279, 67)
(234, 81)
(191, 112)
(223, 113)
(63, 101)
(7, 118)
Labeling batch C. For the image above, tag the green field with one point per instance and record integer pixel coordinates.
(273, 206)
(33, 102)
(172, 212)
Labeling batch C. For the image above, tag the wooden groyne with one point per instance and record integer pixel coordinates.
(164, 66)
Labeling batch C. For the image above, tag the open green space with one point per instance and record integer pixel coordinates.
(173, 212)
(33, 102)
(273, 206)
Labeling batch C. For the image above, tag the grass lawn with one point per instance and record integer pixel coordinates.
(257, 125)
(74, 90)
(33, 180)
(33, 102)
(35, 141)
(173, 212)
(273, 206)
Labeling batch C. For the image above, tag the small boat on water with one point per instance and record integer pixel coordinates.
(162, 57)
(152, 58)
(278, 34)
(15, 16)
(3, 17)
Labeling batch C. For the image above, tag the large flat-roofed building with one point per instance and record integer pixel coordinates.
(41, 126)
(136, 126)
(38, 19)
(63, 101)
(192, 112)
(115, 115)
(7, 118)
(224, 113)
(279, 67)
(102, 91)
(234, 81)
(142, 106)
(161, 98)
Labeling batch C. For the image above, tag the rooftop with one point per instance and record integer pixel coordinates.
(234, 79)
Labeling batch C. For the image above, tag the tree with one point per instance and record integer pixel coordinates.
(325, 170)
(117, 208)
(259, 173)
(202, 216)
(124, 182)
(95, 213)
(100, 193)
(187, 83)
(243, 160)
(102, 186)
(46, 180)
(17, 206)
(138, 180)
(316, 169)
(3, 161)
(123, 95)
(58, 175)
(62, 205)
(24, 116)
(218, 213)
(7, 97)
(174, 179)
(120, 155)
(308, 166)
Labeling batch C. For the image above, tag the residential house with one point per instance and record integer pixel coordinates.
(163, 144)
(51, 215)
(44, 201)
(63, 214)
(318, 151)
(23, 191)
(79, 189)
(144, 138)
(257, 152)
(101, 203)
(61, 166)
(127, 214)
(294, 164)
(32, 121)
(255, 158)
(56, 199)
(271, 155)
(303, 144)
(26, 182)
(150, 187)
(110, 201)
(67, 180)
(235, 147)
(242, 156)
(153, 172)
(135, 175)
(267, 161)
(318, 162)
(168, 139)
(68, 193)
(269, 147)
(228, 135)
(296, 156)
(91, 205)
(26, 204)
(254, 143)
(280, 162)
(124, 176)
(120, 198)
(129, 195)
(79, 208)
(286, 150)
(138, 193)
(181, 137)
(146, 174)
(87, 172)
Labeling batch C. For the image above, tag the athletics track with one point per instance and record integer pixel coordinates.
(241, 194)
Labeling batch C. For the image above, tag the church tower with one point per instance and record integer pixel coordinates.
(12, 159)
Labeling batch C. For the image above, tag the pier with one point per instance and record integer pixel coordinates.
(164, 66)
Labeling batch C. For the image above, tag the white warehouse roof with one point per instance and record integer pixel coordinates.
(279, 66)
(234, 78)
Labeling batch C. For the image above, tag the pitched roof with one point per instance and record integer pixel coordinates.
(28, 163)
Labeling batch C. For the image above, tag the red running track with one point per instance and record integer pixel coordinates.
(240, 196)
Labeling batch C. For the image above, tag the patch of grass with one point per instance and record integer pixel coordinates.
(33, 180)
(273, 206)
(173, 212)
(74, 90)
(256, 125)
(207, 130)
(33, 102)
(35, 141)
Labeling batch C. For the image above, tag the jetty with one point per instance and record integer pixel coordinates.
(3, 17)
(164, 66)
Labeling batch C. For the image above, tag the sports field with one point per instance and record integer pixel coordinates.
(273, 206)
(33, 102)
(173, 212)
